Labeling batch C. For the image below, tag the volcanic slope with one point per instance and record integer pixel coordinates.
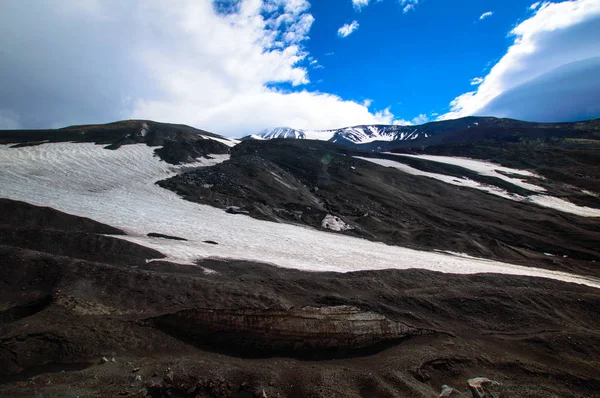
(226, 328)
(177, 143)
(89, 181)
(325, 186)
(572, 164)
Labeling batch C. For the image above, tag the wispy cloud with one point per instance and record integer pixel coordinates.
(486, 15)
(535, 5)
(476, 81)
(408, 5)
(347, 29)
(359, 4)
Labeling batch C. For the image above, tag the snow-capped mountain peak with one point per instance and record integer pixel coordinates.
(281, 132)
(349, 135)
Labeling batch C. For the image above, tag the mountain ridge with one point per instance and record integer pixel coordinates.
(380, 137)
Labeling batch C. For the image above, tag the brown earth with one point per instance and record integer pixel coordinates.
(247, 329)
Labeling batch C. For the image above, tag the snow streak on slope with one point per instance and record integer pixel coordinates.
(117, 188)
(230, 142)
(461, 182)
(490, 169)
(483, 168)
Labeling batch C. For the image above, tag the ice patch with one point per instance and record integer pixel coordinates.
(117, 187)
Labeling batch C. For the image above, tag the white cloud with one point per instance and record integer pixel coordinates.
(347, 29)
(534, 5)
(408, 5)
(476, 81)
(359, 4)
(189, 64)
(556, 36)
(421, 119)
(367, 102)
(486, 15)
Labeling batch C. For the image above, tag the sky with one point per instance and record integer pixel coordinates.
(236, 67)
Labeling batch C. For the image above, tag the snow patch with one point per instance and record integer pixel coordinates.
(541, 200)
(462, 182)
(227, 141)
(484, 168)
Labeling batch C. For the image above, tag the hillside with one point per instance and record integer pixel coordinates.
(155, 260)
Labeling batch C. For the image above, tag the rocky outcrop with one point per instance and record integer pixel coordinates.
(482, 387)
(163, 236)
(293, 331)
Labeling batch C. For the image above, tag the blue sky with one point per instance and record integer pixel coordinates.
(236, 67)
(414, 62)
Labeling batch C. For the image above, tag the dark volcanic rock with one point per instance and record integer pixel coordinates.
(16, 214)
(482, 387)
(297, 331)
(51, 231)
(157, 235)
(179, 143)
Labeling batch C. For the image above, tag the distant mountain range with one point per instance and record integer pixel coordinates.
(468, 129)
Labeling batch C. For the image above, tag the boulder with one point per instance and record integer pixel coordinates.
(482, 387)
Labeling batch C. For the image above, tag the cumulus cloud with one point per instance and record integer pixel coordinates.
(555, 53)
(486, 15)
(210, 65)
(476, 81)
(347, 29)
(359, 4)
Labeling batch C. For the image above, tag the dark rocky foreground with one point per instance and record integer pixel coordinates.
(248, 329)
